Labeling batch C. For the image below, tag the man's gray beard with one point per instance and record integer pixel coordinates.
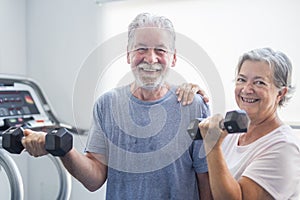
(150, 86)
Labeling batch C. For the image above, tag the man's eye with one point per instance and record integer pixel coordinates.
(141, 50)
(161, 50)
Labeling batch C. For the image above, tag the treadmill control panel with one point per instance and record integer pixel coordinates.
(19, 104)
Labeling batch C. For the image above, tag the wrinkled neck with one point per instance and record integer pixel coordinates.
(149, 94)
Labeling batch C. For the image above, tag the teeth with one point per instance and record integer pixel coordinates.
(151, 70)
(150, 67)
(248, 100)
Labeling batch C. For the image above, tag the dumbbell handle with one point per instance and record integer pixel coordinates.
(235, 122)
(12, 137)
(51, 145)
(18, 130)
(195, 134)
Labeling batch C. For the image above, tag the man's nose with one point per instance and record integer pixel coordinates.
(151, 56)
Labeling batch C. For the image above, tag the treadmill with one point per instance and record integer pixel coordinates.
(22, 101)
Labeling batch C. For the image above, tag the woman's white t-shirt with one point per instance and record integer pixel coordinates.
(272, 161)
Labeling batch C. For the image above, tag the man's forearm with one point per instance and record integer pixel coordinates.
(85, 168)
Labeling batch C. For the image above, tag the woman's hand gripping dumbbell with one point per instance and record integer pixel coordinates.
(235, 122)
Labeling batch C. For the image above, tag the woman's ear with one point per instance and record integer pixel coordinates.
(281, 93)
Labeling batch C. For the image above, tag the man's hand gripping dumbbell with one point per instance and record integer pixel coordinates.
(57, 142)
(235, 122)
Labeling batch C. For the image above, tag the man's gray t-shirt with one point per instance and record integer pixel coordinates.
(148, 150)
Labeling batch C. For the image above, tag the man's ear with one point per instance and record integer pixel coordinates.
(174, 59)
(128, 57)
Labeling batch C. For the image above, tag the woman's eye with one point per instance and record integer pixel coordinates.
(259, 83)
(240, 80)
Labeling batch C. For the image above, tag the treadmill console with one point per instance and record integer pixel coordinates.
(19, 104)
(23, 104)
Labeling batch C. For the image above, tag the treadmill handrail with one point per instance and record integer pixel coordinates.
(13, 174)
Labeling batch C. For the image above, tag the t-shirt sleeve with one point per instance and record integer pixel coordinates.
(198, 152)
(199, 157)
(204, 107)
(96, 142)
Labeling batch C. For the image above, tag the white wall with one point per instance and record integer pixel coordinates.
(47, 41)
(61, 39)
(225, 30)
(52, 41)
(60, 34)
(13, 36)
(13, 61)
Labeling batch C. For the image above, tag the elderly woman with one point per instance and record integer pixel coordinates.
(263, 163)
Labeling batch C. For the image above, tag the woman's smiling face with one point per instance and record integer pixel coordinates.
(255, 91)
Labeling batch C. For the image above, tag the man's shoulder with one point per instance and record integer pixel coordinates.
(122, 90)
(111, 95)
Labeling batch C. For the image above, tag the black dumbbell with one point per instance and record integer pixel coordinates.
(58, 141)
(11, 140)
(235, 122)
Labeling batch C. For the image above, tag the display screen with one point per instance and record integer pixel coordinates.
(16, 103)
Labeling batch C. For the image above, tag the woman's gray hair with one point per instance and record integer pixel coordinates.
(279, 62)
(148, 20)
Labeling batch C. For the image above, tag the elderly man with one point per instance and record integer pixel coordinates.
(138, 141)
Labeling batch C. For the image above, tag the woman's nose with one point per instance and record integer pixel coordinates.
(248, 87)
